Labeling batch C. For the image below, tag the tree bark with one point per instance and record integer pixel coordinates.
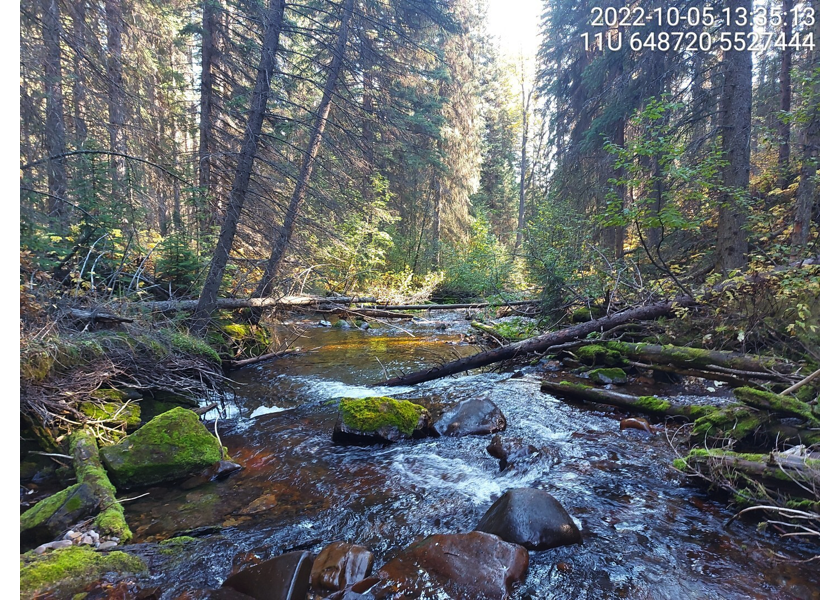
(806, 195)
(116, 102)
(784, 104)
(523, 161)
(54, 122)
(736, 101)
(237, 303)
(649, 405)
(259, 97)
(284, 236)
(77, 14)
(208, 120)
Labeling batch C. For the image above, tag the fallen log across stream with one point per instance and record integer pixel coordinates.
(236, 303)
(451, 306)
(542, 342)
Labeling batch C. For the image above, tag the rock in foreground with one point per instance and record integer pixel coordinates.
(532, 518)
(472, 565)
(339, 565)
(473, 417)
(169, 447)
(380, 420)
(54, 515)
(508, 450)
(285, 577)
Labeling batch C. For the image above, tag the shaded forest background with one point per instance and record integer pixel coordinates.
(247, 148)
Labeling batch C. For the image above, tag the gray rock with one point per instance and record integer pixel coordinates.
(106, 545)
(473, 417)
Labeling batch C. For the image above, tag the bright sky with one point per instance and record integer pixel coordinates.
(515, 23)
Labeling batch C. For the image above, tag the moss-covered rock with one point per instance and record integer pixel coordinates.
(175, 545)
(608, 375)
(380, 419)
(56, 514)
(63, 573)
(169, 447)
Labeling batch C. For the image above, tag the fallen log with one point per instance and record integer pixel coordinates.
(774, 466)
(728, 363)
(238, 364)
(782, 405)
(96, 316)
(237, 303)
(650, 405)
(451, 306)
(542, 342)
(365, 312)
(110, 521)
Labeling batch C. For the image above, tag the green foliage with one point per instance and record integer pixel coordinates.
(478, 268)
(178, 267)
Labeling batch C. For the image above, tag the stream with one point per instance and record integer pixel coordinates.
(647, 533)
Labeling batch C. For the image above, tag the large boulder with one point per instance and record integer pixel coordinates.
(472, 417)
(531, 518)
(169, 447)
(339, 565)
(380, 420)
(463, 565)
(285, 577)
(55, 515)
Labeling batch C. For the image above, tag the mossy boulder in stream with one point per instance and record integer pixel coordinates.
(54, 515)
(169, 447)
(62, 573)
(380, 420)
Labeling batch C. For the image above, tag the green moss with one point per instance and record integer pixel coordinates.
(109, 395)
(235, 340)
(653, 404)
(113, 413)
(168, 447)
(175, 545)
(735, 422)
(46, 508)
(605, 354)
(680, 464)
(187, 344)
(803, 504)
(371, 414)
(695, 411)
(584, 314)
(67, 571)
(608, 375)
(783, 404)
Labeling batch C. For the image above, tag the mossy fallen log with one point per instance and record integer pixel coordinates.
(650, 405)
(746, 365)
(238, 303)
(89, 470)
(784, 405)
(727, 465)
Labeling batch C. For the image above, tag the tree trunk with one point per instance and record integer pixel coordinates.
(284, 236)
(77, 14)
(54, 122)
(648, 405)
(256, 115)
(523, 162)
(736, 100)
(784, 84)
(116, 104)
(807, 193)
(207, 120)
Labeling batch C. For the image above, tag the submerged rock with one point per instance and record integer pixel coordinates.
(635, 423)
(380, 420)
(463, 565)
(285, 577)
(532, 518)
(54, 515)
(339, 565)
(169, 447)
(473, 417)
(509, 449)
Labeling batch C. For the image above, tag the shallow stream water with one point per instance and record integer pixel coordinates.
(647, 533)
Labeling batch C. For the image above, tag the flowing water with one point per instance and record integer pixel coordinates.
(647, 534)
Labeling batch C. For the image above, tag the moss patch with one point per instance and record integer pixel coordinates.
(113, 413)
(608, 375)
(39, 514)
(68, 571)
(371, 414)
(653, 404)
(192, 346)
(595, 354)
(169, 447)
(734, 422)
(175, 545)
(239, 340)
(785, 405)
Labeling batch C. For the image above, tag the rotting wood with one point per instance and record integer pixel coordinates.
(96, 316)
